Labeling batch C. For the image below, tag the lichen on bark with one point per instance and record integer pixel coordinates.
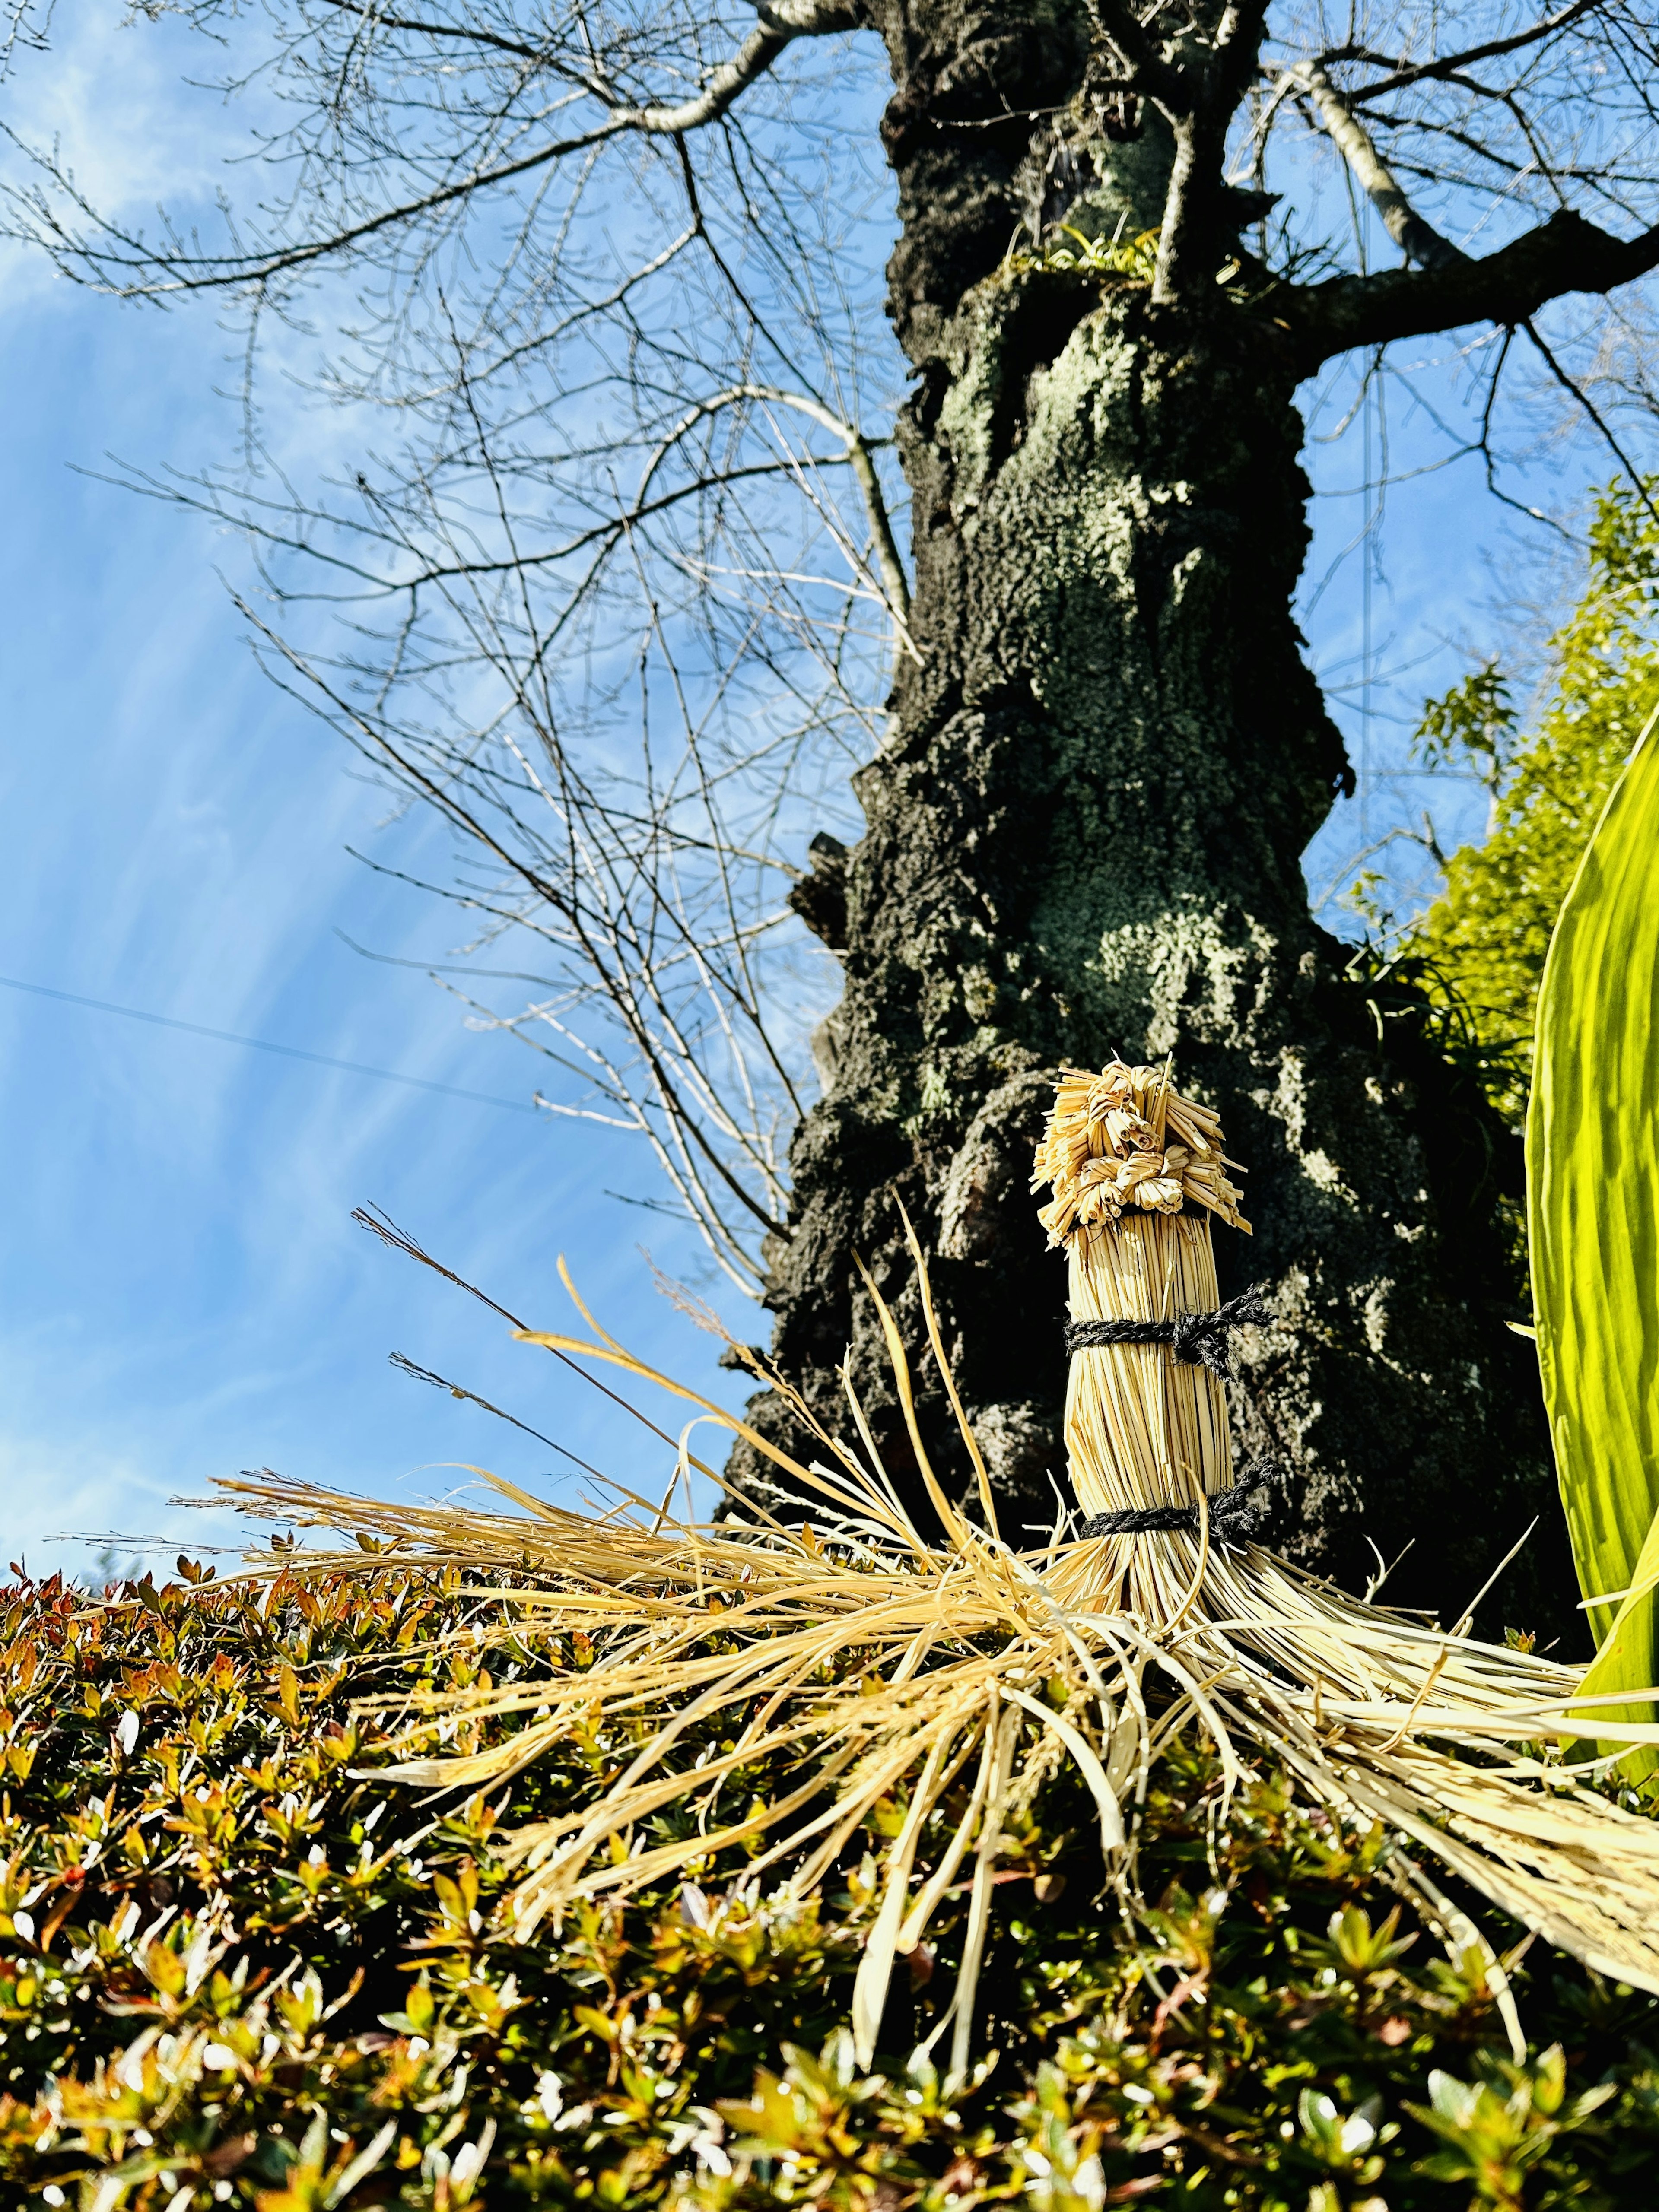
(1082, 838)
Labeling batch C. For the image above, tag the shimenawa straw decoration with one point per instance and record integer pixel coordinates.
(978, 1660)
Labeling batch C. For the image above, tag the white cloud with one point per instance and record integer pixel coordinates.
(111, 98)
(184, 1295)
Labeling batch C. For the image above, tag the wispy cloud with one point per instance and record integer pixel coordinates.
(182, 1293)
(112, 101)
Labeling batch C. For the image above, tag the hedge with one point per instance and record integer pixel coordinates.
(236, 1969)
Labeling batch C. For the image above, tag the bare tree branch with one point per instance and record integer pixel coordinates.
(1577, 392)
(171, 272)
(895, 582)
(1198, 100)
(1419, 242)
(1565, 254)
(610, 570)
(1405, 74)
(1142, 56)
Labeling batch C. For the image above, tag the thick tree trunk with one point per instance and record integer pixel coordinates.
(1084, 837)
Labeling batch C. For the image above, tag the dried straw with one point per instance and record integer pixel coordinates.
(975, 1659)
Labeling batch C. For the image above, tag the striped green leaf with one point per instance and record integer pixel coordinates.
(1593, 1208)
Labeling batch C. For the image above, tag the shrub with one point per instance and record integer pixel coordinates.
(235, 1969)
(1481, 944)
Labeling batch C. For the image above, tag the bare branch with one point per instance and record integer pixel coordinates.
(1419, 242)
(781, 22)
(1404, 73)
(1565, 254)
(1171, 278)
(1577, 392)
(1150, 72)
(471, 34)
(1206, 89)
(895, 583)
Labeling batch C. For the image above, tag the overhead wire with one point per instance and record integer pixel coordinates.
(267, 1044)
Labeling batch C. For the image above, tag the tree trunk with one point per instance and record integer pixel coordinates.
(1084, 838)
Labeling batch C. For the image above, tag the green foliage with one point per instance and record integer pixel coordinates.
(1483, 942)
(1500, 2127)
(1593, 1214)
(1474, 724)
(236, 1970)
(1133, 257)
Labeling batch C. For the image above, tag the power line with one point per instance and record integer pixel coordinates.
(265, 1044)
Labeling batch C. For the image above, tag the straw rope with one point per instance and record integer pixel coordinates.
(1205, 1338)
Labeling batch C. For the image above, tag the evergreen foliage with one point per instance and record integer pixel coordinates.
(236, 1969)
(1481, 945)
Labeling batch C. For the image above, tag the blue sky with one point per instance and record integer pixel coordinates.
(182, 1293)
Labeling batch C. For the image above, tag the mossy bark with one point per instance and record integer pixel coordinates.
(1084, 837)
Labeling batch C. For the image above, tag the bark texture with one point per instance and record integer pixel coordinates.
(1083, 836)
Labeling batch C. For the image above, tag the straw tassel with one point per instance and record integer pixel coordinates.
(975, 1657)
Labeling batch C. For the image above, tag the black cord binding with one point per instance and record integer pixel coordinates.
(1231, 1511)
(1201, 1338)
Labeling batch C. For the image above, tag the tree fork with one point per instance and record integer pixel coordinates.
(1084, 838)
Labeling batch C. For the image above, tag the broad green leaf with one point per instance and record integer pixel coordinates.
(1593, 1202)
(1614, 1667)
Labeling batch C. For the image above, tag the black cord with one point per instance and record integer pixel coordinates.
(1231, 1511)
(1201, 1338)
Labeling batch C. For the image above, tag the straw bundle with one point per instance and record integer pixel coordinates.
(1123, 1154)
(869, 1664)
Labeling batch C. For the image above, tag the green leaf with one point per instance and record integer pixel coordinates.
(1593, 1207)
(1480, 947)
